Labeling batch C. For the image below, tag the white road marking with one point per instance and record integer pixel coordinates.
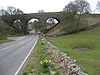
(16, 38)
(6, 48)
(18, 70)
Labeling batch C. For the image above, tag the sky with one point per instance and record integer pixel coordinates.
(33, 6)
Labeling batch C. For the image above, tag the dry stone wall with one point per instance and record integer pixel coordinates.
(64, 63)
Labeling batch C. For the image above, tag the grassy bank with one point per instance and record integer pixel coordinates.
(88, 60)
(5, 41)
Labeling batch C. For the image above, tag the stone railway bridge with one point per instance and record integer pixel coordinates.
(24, 18)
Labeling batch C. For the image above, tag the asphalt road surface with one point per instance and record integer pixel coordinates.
(12, 54)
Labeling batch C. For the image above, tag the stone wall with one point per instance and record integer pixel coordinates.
(64, 63)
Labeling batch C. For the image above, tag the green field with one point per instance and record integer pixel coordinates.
(88, 60)
(5, 41)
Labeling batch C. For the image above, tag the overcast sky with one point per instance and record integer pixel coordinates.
(32, 6)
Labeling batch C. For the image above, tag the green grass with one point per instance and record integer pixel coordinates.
(88, 60)
(5, 41)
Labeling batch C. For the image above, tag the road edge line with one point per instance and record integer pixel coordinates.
(18, 70)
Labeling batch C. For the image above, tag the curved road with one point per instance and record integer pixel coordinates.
(13, 54)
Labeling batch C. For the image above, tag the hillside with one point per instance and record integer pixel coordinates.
(91, 20)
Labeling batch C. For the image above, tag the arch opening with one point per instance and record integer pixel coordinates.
(17, 23)
(50, 22)
(17, 26)
(33, 25)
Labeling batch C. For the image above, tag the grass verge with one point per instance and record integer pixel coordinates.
(88, 60)
(15, 35)
(5, 41)
(40, 53)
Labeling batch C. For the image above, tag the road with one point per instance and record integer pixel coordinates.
(12, 54)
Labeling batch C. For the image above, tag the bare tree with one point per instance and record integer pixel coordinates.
(10, 11)
(71, 7)
(83, 6)
(78, 7)
(13, 11)
(18, 11)
(3, 12)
